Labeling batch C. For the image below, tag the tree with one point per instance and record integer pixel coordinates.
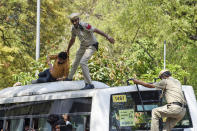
(139, 27)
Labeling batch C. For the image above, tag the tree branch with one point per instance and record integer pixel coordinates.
(146, 51)
(136, 34)
(3, 35)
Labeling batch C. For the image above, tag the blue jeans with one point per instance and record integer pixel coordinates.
(45, 76)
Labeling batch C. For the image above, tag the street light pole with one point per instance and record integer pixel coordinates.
(38, 31)
(164, 55)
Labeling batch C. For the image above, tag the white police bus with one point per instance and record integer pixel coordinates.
(101, 109)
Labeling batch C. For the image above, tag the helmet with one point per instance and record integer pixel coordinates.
(166, 72)
(74, 16)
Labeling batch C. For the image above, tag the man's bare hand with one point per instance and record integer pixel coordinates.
(111, 40)
(60, 79)
(135, 81)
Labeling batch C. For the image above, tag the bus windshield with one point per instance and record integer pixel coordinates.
(129, 113)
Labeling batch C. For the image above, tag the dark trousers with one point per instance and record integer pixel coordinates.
(45, 76)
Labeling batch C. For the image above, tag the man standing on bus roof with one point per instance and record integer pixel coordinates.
(175, 109)
(88, 46)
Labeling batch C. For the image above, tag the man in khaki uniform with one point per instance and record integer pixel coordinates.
(175, 109)
(88, 46)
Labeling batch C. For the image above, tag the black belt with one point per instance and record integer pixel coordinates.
(179, 104)
(96, 45)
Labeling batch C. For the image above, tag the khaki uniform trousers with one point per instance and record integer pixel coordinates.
(174, 114)
(82, 57)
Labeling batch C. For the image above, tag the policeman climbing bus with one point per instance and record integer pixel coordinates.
(175, 108)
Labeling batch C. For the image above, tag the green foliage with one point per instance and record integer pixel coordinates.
(138, 26)
(26, 77)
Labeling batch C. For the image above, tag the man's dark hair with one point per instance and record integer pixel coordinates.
(63, 126)
(62, 55)
(166, 74)
(52, 119)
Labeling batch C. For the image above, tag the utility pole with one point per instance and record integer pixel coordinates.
(38, 32)
(164, 55)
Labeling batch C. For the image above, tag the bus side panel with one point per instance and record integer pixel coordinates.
(192, 105)
(100, 112)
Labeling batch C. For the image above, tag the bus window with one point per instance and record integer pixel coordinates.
(35, 123)
(2, 111)
(75, 105)
(75, 122)
(47, 107)
(80, 122)
(26, 126)
(41, 124)
(1, 125)
(78, 108)
(121, 104)
(15, 125)
(127, 112)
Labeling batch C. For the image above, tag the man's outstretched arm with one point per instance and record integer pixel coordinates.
(49, 58)
(71, 42)
(110, 39)
(143, 83)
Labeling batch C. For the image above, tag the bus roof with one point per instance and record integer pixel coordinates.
(45, 88)
(71, 89)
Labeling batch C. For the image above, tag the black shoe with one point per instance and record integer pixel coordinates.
(67, 79)
(88, 86)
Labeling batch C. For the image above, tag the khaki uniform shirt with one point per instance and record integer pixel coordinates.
(59, 70)
(172, 90)
(85, 34)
